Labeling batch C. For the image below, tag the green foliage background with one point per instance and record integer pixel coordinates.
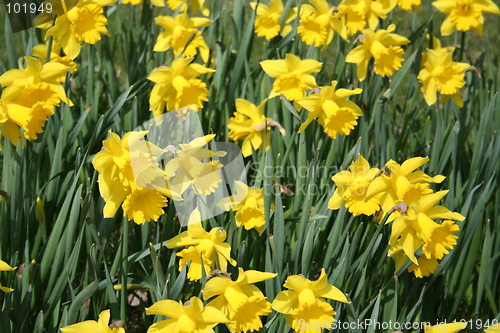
(73, 255)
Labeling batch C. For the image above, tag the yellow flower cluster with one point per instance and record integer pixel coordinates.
(304, 302)
(402, 194)
(30, 96)
(92, 326)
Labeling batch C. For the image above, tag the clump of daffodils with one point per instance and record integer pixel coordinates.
(268, 17)
(29, 98)
(305, 300)
(333, 110)
(403, 196)
(381, 45)
(241, 301)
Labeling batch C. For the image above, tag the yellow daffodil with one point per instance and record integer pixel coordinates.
(334, 111)
(249, 125)
(358, 12)
(442, 239)
(37, 72)
(464, 15)
(191, 316)
(409, 5)
(446, 327)
(9, 128)
(40, 51)
(92, 326)
(206, 246)
(415, 224)
(240, 300)
(352, 188)
(5, 267)
(84, 23)
(250, 212)
(195, 5)
(293, 76)
(179, 31)
(441, 74)
(267, 19)
(318, 21)
(401, 183)
(382, 45)
(125, 168)
(187, 168)
(177, 86)
(29, 106)
(304, 300)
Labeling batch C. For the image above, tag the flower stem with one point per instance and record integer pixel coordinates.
(124, 269)
(462, 47)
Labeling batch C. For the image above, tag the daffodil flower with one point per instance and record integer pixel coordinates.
(383, 46)
(441, 74)
(5, 267)
(335, 112)
(352, 188)
(401, 183)
(180, 30)
(464, 15)
(318, 22)
(240, 300)
(177, 86)
(293, 76)
(84, 23)
(209, 246)
(267, 19)
(191, 316)
(248, 124)
(409, 5)
(305, 300)
(359, 12)
(92, 326)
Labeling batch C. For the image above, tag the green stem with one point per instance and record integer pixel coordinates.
(124, 268)
(462, 47)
